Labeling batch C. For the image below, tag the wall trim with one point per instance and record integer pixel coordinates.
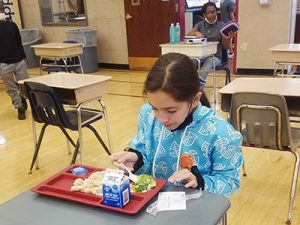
(113, 66)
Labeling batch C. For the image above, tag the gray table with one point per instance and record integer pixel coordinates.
(32, 209)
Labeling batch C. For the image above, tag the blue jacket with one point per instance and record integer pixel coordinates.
(212, 142)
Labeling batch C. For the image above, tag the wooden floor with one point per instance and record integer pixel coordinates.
(262, 198)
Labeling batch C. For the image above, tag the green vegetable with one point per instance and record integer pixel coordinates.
(144, 183)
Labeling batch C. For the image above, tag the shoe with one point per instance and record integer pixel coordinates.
(21, 114)
(24, 103)
(230, 55)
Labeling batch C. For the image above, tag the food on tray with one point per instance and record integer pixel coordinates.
(144, 183)
(90, 185)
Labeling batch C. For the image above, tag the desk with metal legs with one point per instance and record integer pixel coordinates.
(193, 51)
(284, 55)
(56, 51)
(288, 87)
(76, 90)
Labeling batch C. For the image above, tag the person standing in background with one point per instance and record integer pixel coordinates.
(12, 62)
(227, 10)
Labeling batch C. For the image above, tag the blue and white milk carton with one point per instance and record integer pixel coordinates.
(116, 188)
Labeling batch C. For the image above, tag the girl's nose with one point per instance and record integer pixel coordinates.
(163, 117)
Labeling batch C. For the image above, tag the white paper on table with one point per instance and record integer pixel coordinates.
(171, 201)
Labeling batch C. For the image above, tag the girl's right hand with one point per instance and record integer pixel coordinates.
(127, 158)
(198, 34)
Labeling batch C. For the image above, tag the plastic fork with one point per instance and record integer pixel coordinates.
(132, 176)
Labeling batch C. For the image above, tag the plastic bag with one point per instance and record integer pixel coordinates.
(189, 194)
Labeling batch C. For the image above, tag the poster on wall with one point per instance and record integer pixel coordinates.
(11, 8)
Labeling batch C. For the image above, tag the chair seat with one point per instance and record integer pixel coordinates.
(85, 116)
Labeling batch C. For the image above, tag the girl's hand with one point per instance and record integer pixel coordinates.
(127, 158)
(186, 177)
(198, 34)
(230, 35)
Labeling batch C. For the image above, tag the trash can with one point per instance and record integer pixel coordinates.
(31, 37)
(87, 37)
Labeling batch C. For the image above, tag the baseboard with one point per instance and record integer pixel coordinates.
(113, 66)
(246, 71)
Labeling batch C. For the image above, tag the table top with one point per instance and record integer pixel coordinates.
(32, 209)
(56, 45)
(283, 86)
(286, 47)
(182, 45)
(68, 80)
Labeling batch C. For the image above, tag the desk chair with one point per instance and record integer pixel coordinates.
(263, 119)
(223, 66)
(47, 109)
(71, 64)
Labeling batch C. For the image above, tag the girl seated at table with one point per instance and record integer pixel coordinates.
(178, 138)
(210, 28)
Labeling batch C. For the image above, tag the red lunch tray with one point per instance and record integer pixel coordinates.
(59, 186)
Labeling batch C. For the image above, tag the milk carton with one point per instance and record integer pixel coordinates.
(116, 188)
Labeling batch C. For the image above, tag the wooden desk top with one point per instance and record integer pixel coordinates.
(57, 45)
(193, 50)
(182, 45)
(286, 47)
(73, 88)
(68, 80)
(283, 86)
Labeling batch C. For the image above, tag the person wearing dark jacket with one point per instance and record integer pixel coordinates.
(12, 62)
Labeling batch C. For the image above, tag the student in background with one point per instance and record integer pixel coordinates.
(227, 10)
(179, 139)
(12, 61)
(210, 28)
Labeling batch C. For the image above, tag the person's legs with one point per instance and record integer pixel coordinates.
(206, 67)
(21, 74)
(230, 48)
(10, 81)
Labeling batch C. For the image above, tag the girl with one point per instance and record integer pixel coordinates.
(178, 138)
(210, 28)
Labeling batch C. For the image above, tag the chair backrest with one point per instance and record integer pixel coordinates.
(46, 106)
(262, 118)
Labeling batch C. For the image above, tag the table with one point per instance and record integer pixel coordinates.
(193, 51)
(31, 209)
(56, 51)
(288, 87)
(76, 90)
(283, 55)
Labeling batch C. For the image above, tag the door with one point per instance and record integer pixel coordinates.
(147, 25)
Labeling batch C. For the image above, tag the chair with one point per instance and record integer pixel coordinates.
(223, 66)
(72, 64)
(263, 119)
(47, 109)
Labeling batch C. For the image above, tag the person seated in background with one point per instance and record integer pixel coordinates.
(178, 138)
(210, 28)
(12, 62)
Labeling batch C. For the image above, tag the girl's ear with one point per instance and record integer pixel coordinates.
(196, 99)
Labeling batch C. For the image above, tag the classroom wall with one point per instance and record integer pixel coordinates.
(106, 16)
(261, 28)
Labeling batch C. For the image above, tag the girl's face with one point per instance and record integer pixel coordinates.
(211, 14)
(168, 111)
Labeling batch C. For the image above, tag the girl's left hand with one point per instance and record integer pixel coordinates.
(230, 35)
(186, 177)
